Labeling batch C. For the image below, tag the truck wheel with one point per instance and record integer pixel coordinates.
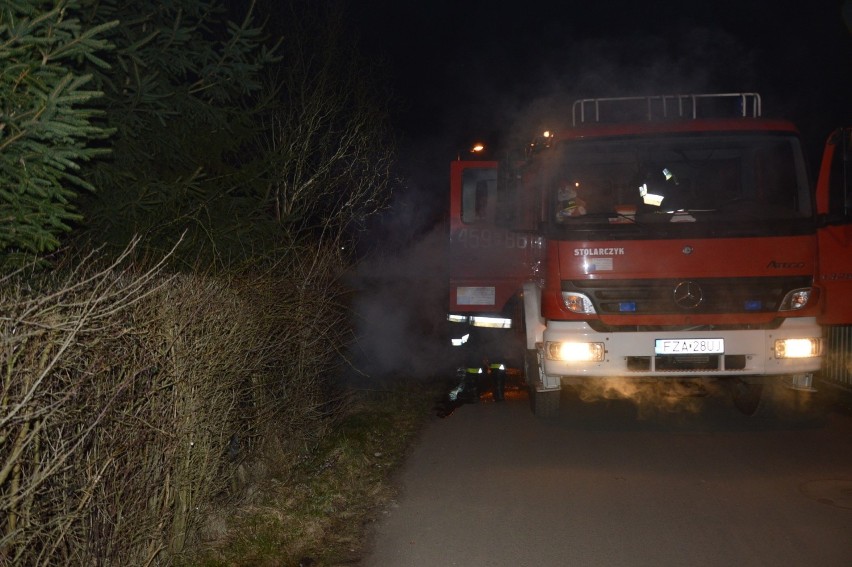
(750, 398)
(778, 402)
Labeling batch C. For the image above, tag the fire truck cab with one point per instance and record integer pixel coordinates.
(656, 238)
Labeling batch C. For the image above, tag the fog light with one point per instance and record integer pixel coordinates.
(797, 348)
(575, 352)
(577, 302)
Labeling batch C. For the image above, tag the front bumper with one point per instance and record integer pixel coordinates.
(632, 354)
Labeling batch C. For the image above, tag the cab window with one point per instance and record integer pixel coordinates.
(479, 195)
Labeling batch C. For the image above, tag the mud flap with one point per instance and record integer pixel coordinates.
(543, 403)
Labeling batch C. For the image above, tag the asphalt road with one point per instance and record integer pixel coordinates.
(688, 482)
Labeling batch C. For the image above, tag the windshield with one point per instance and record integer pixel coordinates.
(707, 178)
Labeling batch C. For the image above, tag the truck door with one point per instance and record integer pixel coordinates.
(834, 205)
(487, 259)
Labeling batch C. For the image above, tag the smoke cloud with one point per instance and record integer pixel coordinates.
(401, 301)
(652, 398)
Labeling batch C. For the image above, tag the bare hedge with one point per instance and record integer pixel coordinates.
(133, 400)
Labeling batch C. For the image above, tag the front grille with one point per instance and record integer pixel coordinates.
(690, 362)
(639, 363)
(706, 295)
(686, 363)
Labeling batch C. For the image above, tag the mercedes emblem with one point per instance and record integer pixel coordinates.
(688, 295)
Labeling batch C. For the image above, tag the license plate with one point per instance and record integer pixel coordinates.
(689, 346)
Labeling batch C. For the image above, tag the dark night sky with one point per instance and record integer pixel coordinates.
(467, 69)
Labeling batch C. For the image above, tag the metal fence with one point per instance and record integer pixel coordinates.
(838, 362)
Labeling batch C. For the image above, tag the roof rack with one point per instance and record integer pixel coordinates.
(666, 107)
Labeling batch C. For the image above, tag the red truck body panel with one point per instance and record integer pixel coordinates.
(834, 200)
(488, 262)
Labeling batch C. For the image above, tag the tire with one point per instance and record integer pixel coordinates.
(773, 400)
(749, 398)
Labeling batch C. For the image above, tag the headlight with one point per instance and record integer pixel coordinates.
(798, 348)
(574, 352)
(796, 299)
(577, 302)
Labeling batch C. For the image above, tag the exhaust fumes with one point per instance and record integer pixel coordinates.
(400, 302)
(652, 397)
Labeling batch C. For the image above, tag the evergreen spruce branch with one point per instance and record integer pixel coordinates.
(83, 44)
(47, 126)
(39, 121)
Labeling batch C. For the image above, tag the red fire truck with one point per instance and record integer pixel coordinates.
(670, 238)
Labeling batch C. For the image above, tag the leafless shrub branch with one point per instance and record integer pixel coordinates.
(131, 401)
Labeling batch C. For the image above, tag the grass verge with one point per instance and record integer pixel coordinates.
(317, 511)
